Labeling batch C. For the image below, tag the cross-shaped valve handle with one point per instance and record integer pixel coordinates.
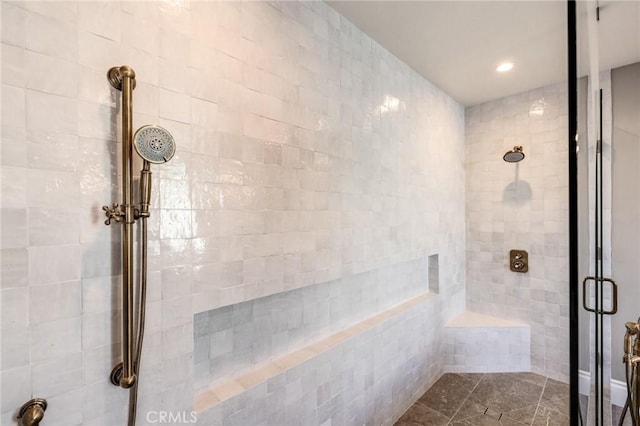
(114, 212)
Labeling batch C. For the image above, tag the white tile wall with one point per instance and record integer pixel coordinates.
(521, 206)
(306, 153)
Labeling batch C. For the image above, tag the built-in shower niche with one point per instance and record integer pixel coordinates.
(234, 340)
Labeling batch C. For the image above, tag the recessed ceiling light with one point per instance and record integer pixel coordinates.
(504, 67)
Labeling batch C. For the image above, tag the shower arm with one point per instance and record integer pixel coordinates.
(124, 79)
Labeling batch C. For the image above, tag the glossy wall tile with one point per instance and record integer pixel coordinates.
(307, 154)
(521, 206)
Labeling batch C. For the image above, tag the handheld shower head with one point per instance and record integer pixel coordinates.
(514, 155)
(154, 144)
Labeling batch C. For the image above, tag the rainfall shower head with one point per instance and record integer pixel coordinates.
(514, 155)
(154, 144)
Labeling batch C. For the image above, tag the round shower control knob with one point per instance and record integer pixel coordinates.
(32, 412)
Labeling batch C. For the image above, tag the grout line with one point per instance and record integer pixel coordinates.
(465, 400)
(426, 406)
(430, 408)
(546, 379)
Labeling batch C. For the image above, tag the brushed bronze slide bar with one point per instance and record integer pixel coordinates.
(124, 79)
(154, 145)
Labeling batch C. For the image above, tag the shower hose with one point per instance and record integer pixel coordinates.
(142, 299)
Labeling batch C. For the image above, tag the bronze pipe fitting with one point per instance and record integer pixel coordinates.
(32, 412)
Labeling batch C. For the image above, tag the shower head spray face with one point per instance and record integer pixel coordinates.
(514, 155)
(154, 144)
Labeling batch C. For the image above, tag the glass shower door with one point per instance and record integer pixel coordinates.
(608, 212)
(597, 291)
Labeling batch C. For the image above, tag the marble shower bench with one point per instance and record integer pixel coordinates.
(478, 343)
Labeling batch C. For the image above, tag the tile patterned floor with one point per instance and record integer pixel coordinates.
(508, 399)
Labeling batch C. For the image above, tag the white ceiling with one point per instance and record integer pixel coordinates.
(457, 45)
